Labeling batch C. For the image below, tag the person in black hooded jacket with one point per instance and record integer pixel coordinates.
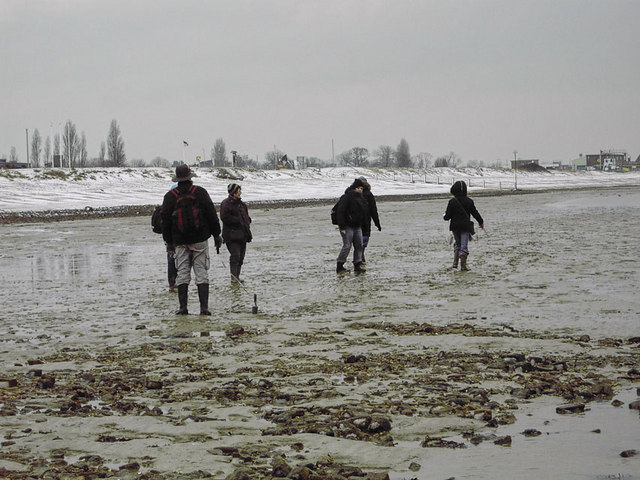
(458, 213)
(351, 213)
(370, 214)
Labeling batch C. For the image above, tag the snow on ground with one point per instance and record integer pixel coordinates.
(57, 189)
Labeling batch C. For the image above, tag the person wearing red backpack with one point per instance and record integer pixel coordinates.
(189, 218)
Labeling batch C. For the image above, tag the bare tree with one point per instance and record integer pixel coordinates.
(403, 156)
(272, 158)
(71, 144)
(115, 146)
(56, 144)
(102, 155)
(219, 153)
(475, 163)
(159, 162)
(36, 148)
(83, 154)
(13, 156)
(357, 157)
(384, 155)
(316, 162)
(137, 163)
(423, 159)
(450, 160)
(47, 152)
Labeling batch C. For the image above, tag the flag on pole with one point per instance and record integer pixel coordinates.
(185, 143)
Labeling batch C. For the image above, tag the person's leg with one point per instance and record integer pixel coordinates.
(357, 250)
(347, 240)
(243, 251)
(201, 264)
(172, 272)
(235, 254)
(456, 248)
(464, 250)
(365, 242)
(182, 259)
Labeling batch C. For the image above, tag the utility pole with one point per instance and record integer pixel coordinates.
(333, 157)
(515, 168)
(28, 165)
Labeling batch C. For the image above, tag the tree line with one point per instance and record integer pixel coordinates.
(69, 149)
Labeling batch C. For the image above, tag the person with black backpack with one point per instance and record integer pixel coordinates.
(350, 213)
(189, 218)
(156, 226)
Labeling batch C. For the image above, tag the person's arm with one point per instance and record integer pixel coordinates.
(476, 215)
(374, 213)
(168, 204)
(211, 216)
(448, 213)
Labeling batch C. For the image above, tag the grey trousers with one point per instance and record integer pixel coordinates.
(196, 256)
(350, 236)
(461, 243)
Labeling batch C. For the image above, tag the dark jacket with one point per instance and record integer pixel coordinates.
(170, 232)
(371, 213)
(351, 210)
(235, 220)
(460, 208)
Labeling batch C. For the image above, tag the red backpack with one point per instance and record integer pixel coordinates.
(187, 215)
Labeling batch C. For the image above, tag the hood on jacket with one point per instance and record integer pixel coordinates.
(459, 189)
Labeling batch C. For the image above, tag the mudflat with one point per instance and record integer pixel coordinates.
(528, 365)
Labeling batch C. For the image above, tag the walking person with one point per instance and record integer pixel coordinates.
(370, 214)
(236, 229)
(189, 218)
(156, 224)
(459, 211)
(350, 212)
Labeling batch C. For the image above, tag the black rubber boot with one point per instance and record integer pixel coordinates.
(183, 292)
(235, 273)
(456, 255)
(203, 296)
(340, 268)
(357, 268)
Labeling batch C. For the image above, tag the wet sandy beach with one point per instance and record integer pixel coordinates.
(409, 371)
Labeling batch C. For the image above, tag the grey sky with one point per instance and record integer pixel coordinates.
(551, 79)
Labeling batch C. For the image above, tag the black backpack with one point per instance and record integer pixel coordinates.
(334, 212)
(187, 216)
(156, 220)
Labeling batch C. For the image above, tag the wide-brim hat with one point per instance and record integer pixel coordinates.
(183, 173)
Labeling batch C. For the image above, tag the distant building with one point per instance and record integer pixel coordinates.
(608, 160)
(518, 164)
(580, 163)
(11, 165)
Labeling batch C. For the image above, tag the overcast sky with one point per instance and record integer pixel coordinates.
(550, 79)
